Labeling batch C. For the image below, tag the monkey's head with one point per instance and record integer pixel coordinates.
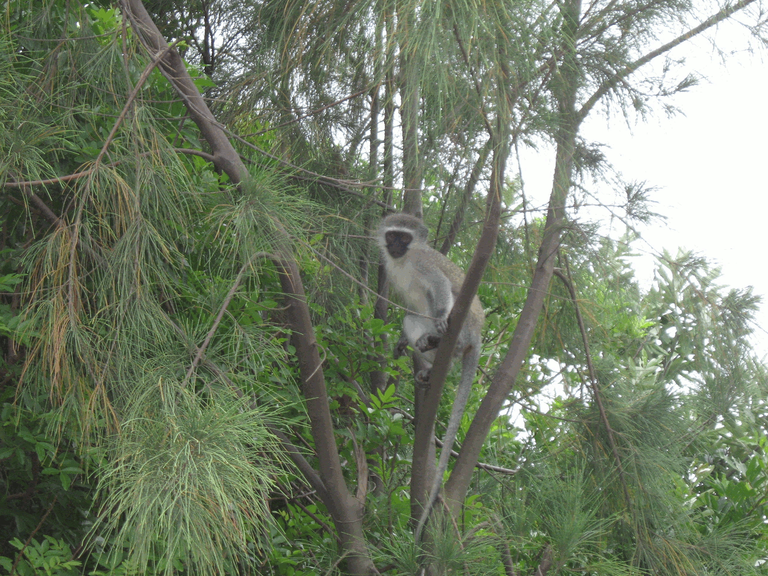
(398, 231)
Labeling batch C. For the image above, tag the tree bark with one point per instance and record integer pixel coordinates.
(226, 158)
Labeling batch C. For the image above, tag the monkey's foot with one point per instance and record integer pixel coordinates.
(428, 342)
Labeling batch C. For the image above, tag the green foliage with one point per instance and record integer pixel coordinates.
(51, 557)
(194, 469)
(593, 487)
(146, 358)
(113, 302)
(38, 476)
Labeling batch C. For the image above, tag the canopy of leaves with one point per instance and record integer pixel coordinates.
(155, 418)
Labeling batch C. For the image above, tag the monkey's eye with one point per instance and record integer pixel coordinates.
(395, 236)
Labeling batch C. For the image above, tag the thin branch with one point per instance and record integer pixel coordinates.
(220, 315)
(504, 551)
(632, 67)
(77, 175)
(593, 381)
(301, 463)
(293, 452)
(56, 180)
(454, 453)
(358, 282)
(131, 97)
(362, 469)
(304, 174)
(317, 519)
(469, 189)
(481, 465)
(192, 152)
(49, 214)
(313, 112)
(472, 73)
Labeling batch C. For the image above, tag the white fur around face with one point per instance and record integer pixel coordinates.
(406, 282)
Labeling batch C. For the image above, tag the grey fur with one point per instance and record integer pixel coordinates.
(428, 283)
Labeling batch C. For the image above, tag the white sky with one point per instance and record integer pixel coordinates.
(709, 164)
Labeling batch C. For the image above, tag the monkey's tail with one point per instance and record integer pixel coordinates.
(468, 371)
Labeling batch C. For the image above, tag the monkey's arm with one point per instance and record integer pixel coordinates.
(440, 297)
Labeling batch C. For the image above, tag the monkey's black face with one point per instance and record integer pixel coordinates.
(397, 242)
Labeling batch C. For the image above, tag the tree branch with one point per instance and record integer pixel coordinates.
(630, 68)
(508, 370)
(593, 382)
(485, 248)
(172, 67)
(301, 463)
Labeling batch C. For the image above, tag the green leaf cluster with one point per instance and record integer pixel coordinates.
(148, 366)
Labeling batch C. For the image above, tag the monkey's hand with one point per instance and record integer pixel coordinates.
(428, 342)
(441, 325)
(402, 344)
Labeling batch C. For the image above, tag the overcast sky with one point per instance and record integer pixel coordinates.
(708, 163)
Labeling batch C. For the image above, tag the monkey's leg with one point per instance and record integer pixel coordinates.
(422, 376)
(419, 332)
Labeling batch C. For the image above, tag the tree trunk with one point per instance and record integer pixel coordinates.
(346, 510)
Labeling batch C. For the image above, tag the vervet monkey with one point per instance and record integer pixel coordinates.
(427, 283)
